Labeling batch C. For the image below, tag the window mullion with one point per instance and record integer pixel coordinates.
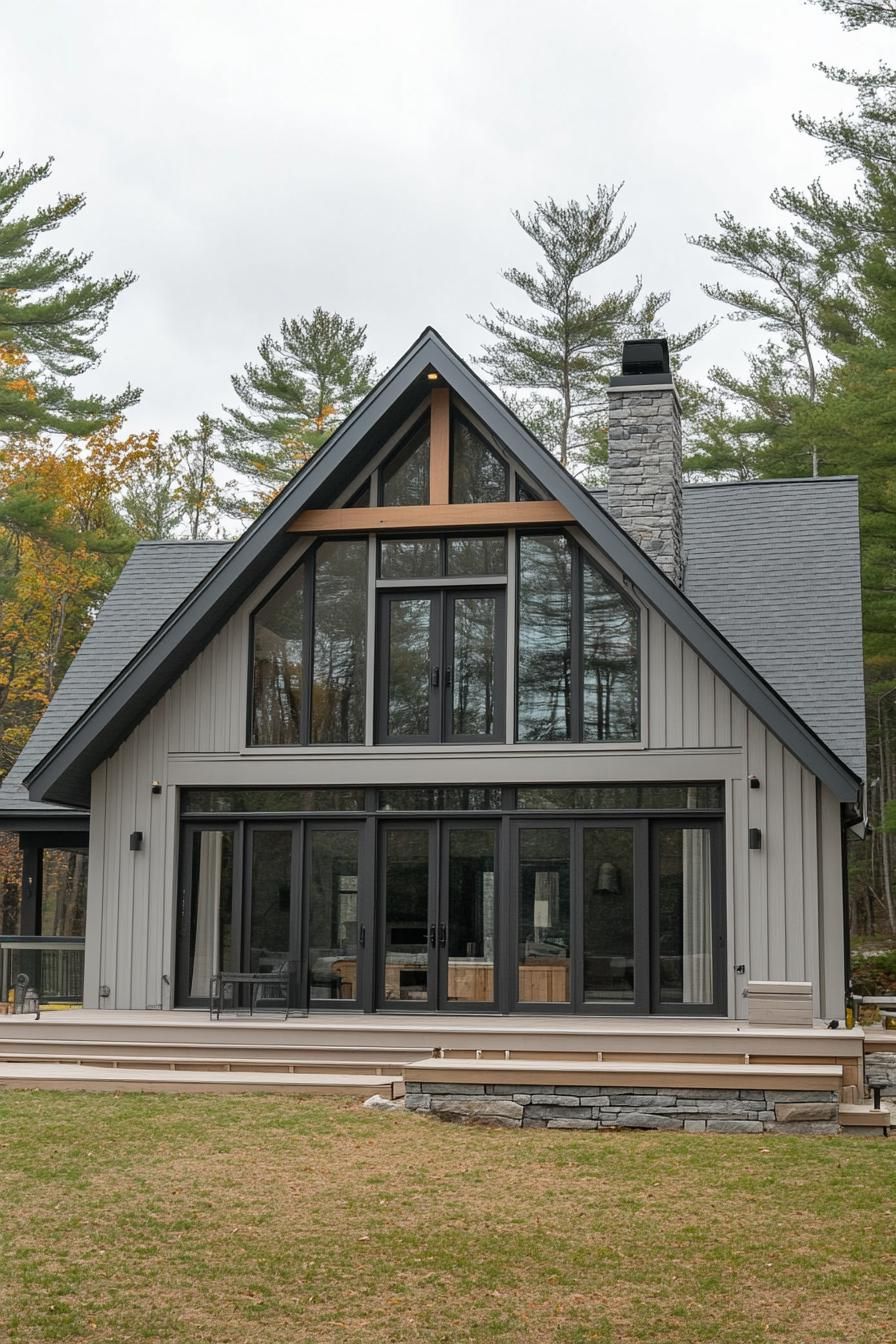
(577, 655)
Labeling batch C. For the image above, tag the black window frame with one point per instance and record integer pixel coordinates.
(579, 557)
(307, 562)
(441, 636)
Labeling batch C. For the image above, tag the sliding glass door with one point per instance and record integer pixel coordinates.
(240, 909)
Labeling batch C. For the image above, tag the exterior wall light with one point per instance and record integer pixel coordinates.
(754, 781)
(156, 786)
(755, 837)
(136, 841)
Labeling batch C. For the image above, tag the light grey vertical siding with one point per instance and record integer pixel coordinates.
(784, 899)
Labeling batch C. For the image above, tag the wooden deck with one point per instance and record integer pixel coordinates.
(361, 1054)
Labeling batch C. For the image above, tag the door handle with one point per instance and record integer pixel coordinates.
(362, 935)
(432, 935)
(447, 677)
(443, 935)
(434, 678)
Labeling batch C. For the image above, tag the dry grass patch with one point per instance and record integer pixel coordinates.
(224, 1219)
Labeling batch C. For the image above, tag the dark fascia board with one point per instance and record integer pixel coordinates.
(63, 776)
(24, 822)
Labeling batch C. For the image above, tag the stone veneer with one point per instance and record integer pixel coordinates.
(644, 471)
(691, 1109)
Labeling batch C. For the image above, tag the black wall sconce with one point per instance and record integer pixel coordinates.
(156, 786)
(136, 840)
(755, 837)
(754, 781)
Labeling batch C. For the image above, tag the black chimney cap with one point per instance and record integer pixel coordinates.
(640, 357)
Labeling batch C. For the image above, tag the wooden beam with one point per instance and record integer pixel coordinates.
(440, 446)
(421, 517)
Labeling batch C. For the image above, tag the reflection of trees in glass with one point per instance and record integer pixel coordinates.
(340, 642)
(409, 667)
(406, 475)
(476, 555)
(473, 691)
(411, 558)
(545, 629)
(279, 664)
(63, 892)
(610, 651)
(478, 474)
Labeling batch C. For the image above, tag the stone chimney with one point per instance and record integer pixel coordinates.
(644, 454)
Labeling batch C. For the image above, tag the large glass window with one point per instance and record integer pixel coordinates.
(478, 474)
(340, 641)
(544, 687)
(622, 797)
(63, 893)
(279, 662)
(320, 609)
(405, 477)
(332, 894)
(199, 801)
(610, 658)
(578, 676)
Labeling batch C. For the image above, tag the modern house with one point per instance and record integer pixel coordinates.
(451, 733)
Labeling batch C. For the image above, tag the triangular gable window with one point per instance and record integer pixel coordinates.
(478, 474)
(405, 477)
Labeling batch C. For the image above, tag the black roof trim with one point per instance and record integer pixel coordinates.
(63, 776)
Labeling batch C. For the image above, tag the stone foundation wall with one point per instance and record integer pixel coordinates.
(689, 1109)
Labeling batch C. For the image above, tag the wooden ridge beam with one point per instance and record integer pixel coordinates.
(421, 517)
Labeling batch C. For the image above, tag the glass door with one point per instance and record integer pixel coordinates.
(438, 904)
(612, 917)
(688, 918)
(335, 931)
(441, 665)
(543, 854)
(269, 923)
(467, 915)
(408, 915)
(474, 666)
(409, 672)
(208, 925)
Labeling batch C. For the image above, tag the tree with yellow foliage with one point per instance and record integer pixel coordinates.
(62, 544)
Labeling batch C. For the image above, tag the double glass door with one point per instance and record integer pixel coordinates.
(442, 660)
(265, 898)
(438, 903)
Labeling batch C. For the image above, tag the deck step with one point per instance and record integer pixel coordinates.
(554, 1072)
(87, 1078)
(865, 1121)
(179, 1062)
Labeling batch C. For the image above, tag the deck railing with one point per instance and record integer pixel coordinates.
(54, 967)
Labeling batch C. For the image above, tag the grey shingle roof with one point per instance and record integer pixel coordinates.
(155, 580)
(775, 566)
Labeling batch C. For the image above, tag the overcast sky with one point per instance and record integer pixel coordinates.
(250, 160)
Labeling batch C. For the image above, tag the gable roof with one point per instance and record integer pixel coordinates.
(63, 775)
(152, 585)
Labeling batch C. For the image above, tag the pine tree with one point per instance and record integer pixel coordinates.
(52, 314)
(303, 384)
(554, 361)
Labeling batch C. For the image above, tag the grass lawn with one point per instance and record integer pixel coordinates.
(263, 1220)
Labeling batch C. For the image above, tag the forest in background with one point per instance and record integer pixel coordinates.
(817, 396)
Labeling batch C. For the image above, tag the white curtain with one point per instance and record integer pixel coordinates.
(696, 915)
(206, 899)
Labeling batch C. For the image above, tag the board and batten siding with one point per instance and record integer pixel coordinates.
(784, 911)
